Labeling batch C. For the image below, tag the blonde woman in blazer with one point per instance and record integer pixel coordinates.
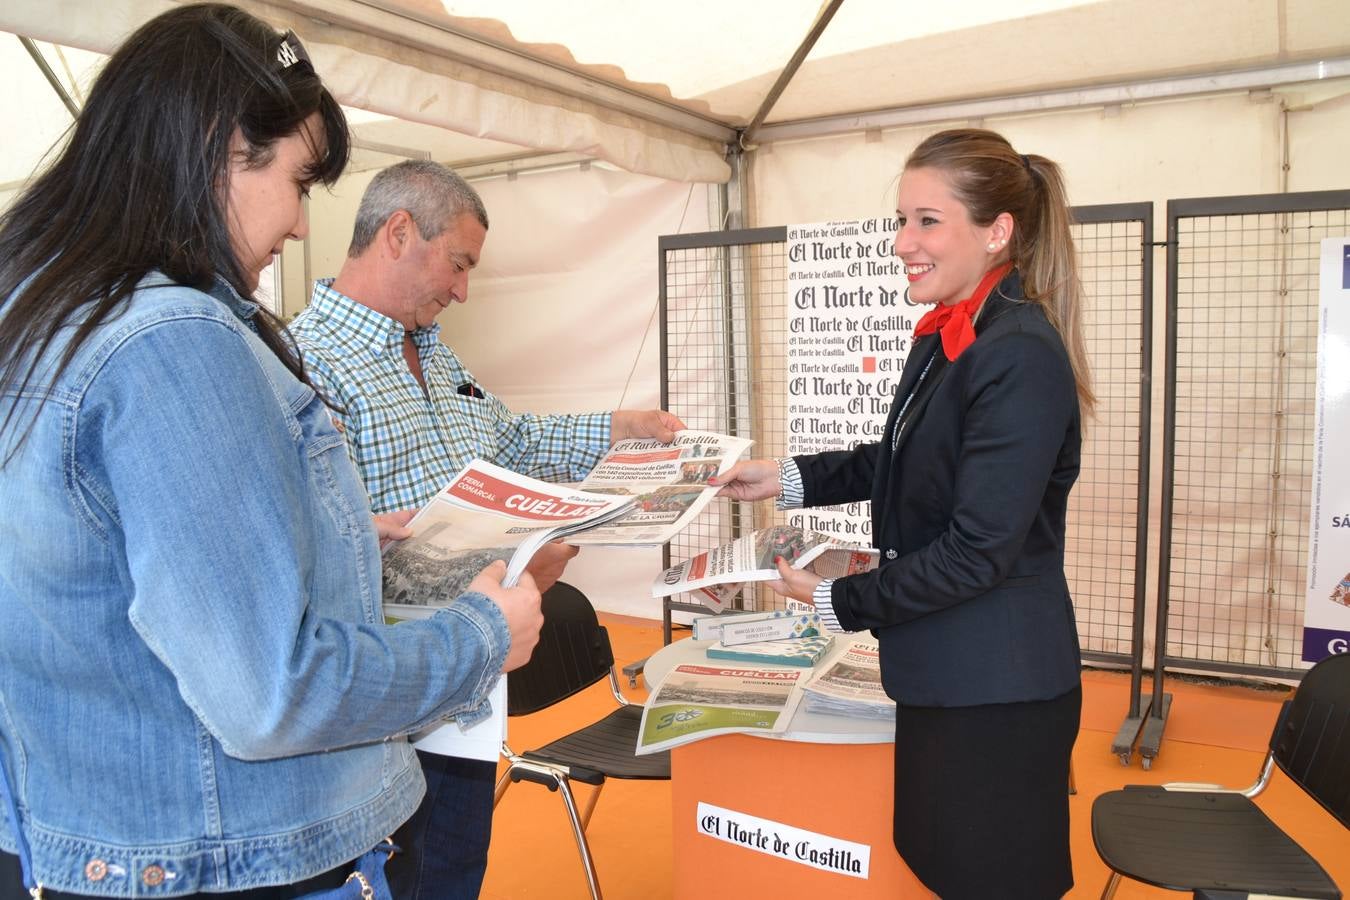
(969, 486)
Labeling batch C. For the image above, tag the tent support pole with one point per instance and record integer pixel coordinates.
(47, 73)
(817, 28)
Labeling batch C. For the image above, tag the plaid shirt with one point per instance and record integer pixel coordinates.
(406, 445)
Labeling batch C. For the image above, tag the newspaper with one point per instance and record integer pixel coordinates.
(485, 513)
(695, 701)
(668, 484)
(851, 685)
(716, 576)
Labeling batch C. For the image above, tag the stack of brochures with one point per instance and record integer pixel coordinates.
(851, 686)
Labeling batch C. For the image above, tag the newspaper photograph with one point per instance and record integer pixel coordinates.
(715, 576)
(696, 701)
(851, 685)
(668, 484)
(485, 513)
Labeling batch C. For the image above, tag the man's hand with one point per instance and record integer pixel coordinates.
(643, 423)
(520, 606)
(798, 584)
(750, 479)
(548, 562)
(393, 526)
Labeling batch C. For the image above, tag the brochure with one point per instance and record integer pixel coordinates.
(696, 701)
(797, 620)
(716, 576)
(803, 651)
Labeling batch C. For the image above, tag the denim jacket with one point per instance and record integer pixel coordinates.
(197, 690)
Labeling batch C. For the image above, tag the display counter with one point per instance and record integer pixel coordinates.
(801, 814)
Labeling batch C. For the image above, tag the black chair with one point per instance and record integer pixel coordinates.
(1217, 843)
(573, 654)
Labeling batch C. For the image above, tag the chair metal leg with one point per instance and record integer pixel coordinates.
(1111, 885)
(500, 790)
(579, 832)
(590, 806)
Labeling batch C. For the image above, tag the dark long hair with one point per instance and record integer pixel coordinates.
(989, 177)
(141, 184)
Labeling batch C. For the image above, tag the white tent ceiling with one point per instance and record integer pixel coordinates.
(661, 88)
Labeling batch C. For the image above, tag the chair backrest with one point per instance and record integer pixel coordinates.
(1311, 741)
(573, 653)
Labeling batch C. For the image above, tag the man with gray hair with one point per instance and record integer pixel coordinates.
(413, 415)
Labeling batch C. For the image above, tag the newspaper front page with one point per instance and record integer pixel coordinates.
(696, 701)
(668, 484)
(485, 513)
(851, 685)
(715, 576)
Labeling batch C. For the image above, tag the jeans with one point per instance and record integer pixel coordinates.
(11, 885)
(445, 843)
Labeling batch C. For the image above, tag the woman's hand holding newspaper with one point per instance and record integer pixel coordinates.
(798, 584)
(750, 479)
(520, 606)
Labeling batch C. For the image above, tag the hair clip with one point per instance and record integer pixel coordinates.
(290, 51)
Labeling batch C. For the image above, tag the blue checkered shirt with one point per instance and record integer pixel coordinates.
(408, 445)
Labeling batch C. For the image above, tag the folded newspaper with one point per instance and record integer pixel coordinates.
(851, 685)
(485, 513)
(702, 700)
(668, 484)
(716, 576)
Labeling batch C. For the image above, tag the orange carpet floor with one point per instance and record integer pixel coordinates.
(1214, 734)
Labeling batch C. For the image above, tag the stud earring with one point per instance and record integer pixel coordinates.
(993, 247)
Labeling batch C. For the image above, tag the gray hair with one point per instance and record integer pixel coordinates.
(433, 194)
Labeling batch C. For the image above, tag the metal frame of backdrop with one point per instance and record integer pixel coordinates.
(1241, 366)
(723, 350)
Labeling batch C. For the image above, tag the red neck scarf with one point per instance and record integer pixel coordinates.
(956, 322)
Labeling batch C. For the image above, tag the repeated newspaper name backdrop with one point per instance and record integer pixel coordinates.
(849, 328)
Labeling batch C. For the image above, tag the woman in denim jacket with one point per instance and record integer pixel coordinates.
(197, 691)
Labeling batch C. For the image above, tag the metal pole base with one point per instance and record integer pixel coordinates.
(1123, 745)
(1150, 742)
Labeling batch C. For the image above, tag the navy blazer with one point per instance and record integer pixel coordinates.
(970, 604)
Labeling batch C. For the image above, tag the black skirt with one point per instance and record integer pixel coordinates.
(982, 797)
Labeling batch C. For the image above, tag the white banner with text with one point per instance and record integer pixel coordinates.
(1326, 614)
(797, 845)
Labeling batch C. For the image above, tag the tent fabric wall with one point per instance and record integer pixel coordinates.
(562, 317)
(403, 79)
